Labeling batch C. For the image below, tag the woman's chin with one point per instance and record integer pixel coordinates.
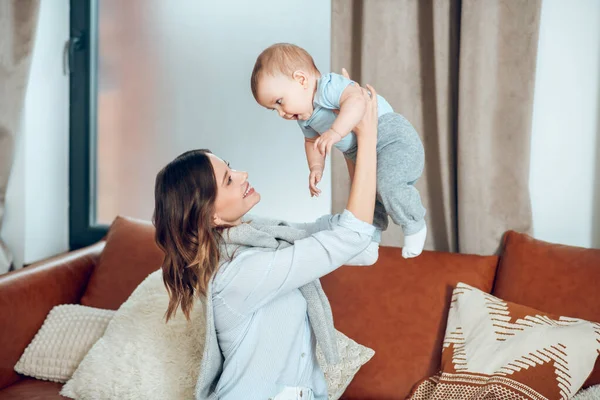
(253, 199)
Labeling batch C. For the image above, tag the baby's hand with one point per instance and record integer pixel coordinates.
(325, 142)
(316, 173)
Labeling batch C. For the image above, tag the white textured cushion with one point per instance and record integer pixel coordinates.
(352, 357)
(139, 357)
(591, 393)
(67, 334)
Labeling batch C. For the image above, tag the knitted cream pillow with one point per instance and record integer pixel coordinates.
(65, 337)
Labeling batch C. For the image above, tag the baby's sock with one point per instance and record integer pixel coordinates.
(413, 244)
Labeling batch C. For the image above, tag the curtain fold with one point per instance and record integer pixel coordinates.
(463, 73)
(18, 21)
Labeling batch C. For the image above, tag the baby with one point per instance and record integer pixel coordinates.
(327, 108)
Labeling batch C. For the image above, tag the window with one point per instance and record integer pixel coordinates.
(112, 142)
(83, 226)
(151, 79)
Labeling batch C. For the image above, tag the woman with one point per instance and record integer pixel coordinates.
(265, 309)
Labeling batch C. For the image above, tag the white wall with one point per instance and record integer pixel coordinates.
(36, 224)
(565, 157)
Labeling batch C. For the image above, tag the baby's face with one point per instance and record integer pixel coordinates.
(291, 97)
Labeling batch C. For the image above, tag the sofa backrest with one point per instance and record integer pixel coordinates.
(130, 256)
(554, 278)
(397, 307)
(27, 296)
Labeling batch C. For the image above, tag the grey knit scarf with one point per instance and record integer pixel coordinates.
(272, 234)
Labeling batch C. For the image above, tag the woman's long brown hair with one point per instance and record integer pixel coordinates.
(184, 193)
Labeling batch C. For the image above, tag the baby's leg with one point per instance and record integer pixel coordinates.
(400, 162)
(380, 217)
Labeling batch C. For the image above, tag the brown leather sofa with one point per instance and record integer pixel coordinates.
(397, 307)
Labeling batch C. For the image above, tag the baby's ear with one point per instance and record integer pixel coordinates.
(301, 77)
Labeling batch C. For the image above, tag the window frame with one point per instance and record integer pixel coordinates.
(82, 52)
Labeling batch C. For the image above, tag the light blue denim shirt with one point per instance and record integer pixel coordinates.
(327, 98)
(261, 317)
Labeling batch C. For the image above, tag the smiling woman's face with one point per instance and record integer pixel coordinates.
(235, 196)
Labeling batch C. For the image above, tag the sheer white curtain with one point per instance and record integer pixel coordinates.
(18, 21)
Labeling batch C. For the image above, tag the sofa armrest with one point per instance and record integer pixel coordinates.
(28, 295)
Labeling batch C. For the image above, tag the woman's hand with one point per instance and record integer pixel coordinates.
(368, 124)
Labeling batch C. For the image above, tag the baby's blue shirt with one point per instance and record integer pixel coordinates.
(327, 98)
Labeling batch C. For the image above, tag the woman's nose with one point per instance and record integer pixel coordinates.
(242, 176)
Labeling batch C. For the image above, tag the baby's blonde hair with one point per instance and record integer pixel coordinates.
(284, 58)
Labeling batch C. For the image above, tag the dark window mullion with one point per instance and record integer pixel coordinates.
(83, 229)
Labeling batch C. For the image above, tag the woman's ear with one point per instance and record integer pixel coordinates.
(301, 77)
(217, 221)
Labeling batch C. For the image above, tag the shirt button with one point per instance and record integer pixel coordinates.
(302, 355)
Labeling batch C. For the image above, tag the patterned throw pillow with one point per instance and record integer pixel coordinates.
(65, 337)
(497, 349)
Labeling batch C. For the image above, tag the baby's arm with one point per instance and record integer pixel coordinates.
(352, 109)
(316, 164)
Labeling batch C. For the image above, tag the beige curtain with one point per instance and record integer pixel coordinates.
(463, 73)
(18, 20)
